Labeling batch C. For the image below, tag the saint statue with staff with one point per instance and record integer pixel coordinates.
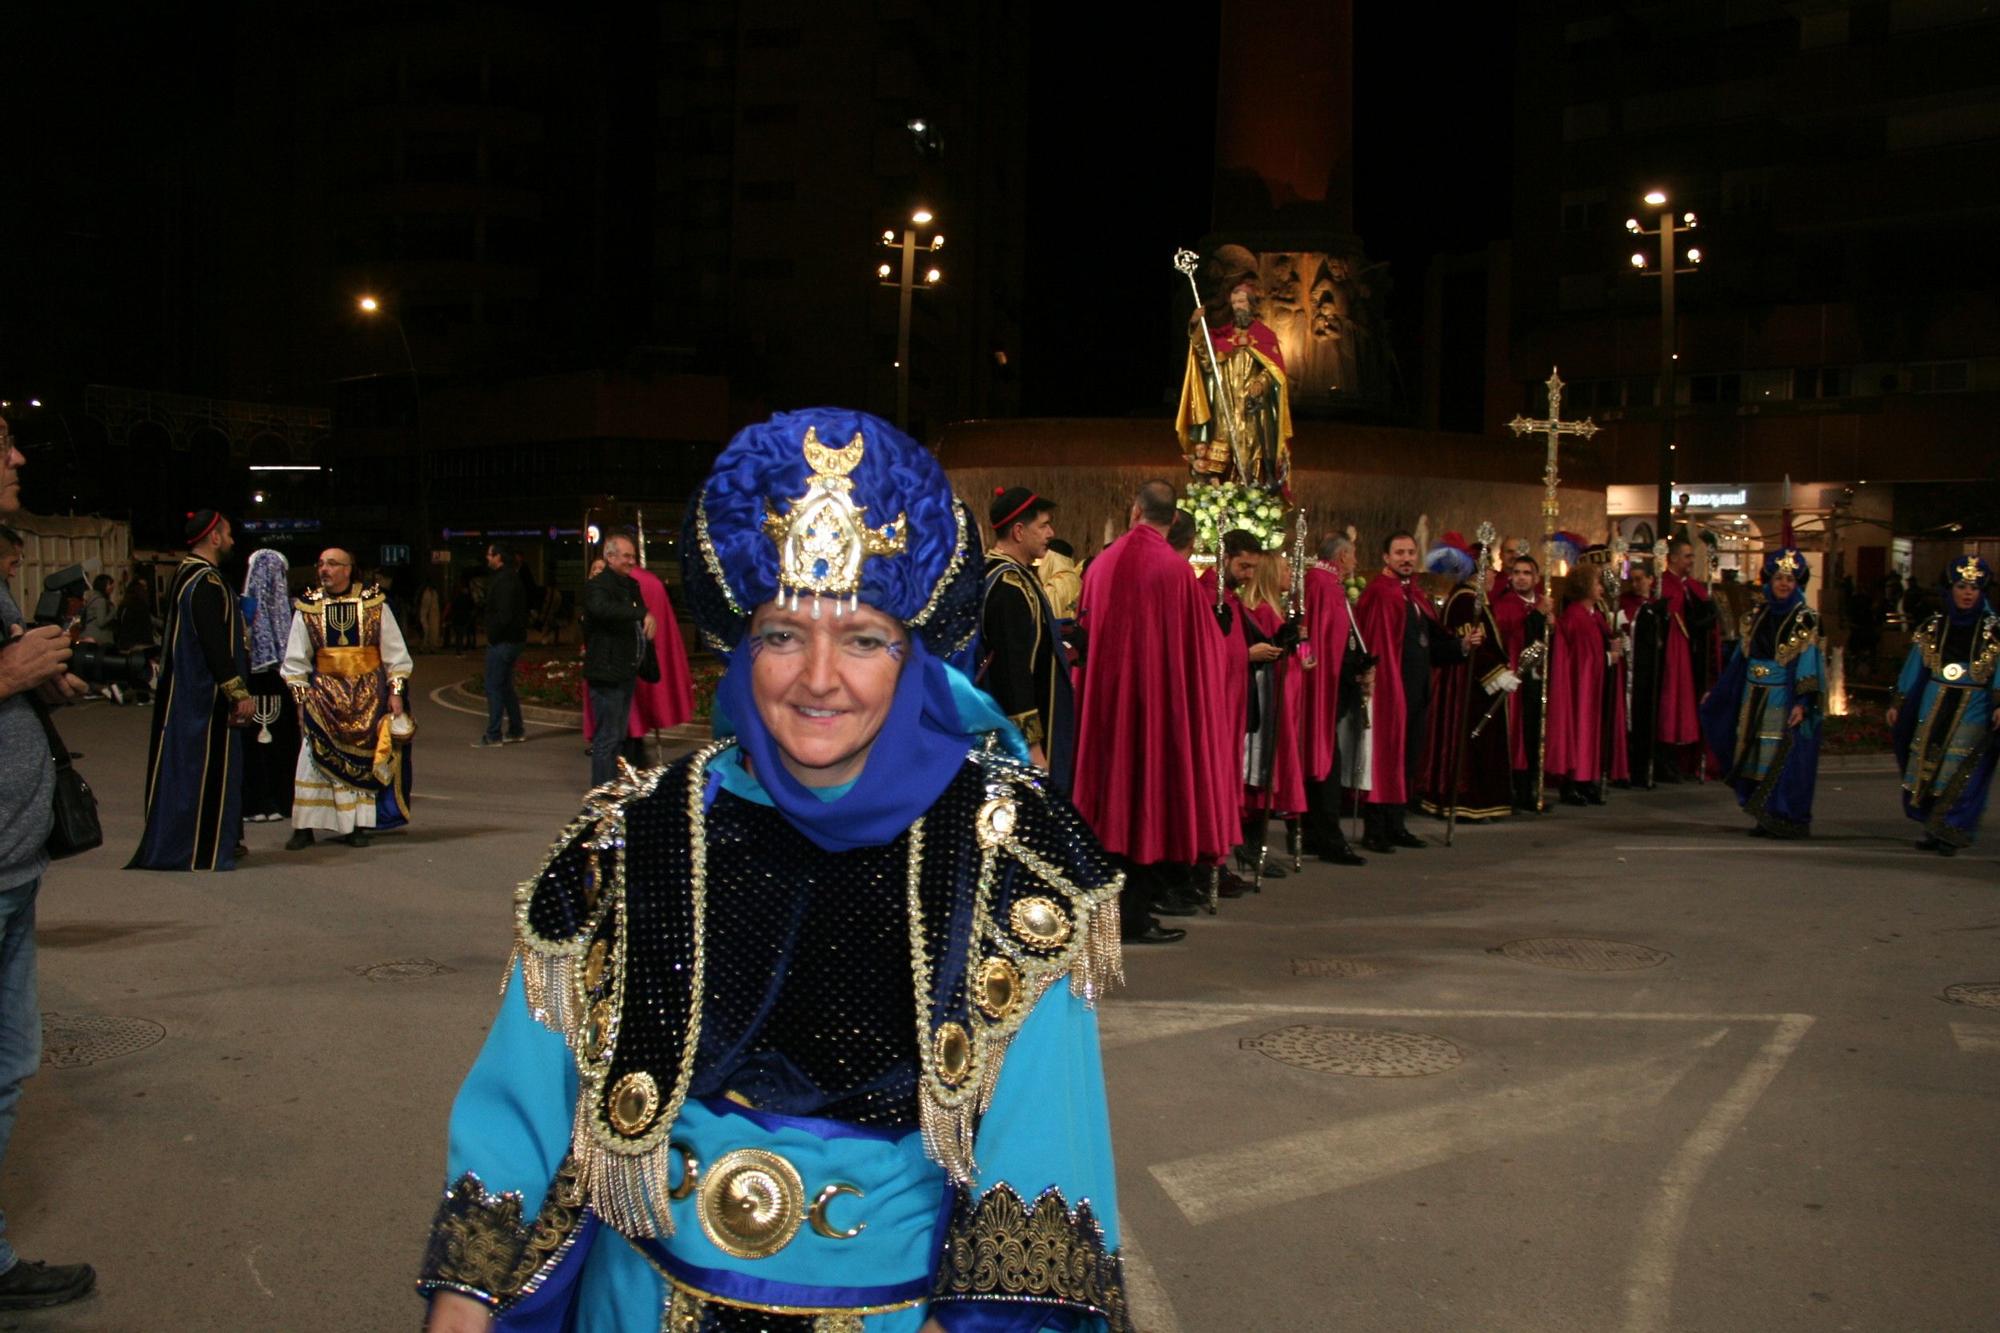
(1235, 418)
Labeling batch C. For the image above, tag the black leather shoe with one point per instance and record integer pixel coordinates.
(1402, 837)
(1669, 774)
(36, 1285)
(1592, 795)
(1572, 794)
(1168, 907)
(242, 850)
(300, 840)
(1378, 845)
(1230, 887)
(359, 838)
(1343, 855)
(1155, 933)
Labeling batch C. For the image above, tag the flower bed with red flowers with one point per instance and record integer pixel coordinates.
(1864, 729)
(557, 682)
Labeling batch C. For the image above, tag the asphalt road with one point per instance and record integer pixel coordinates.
(1340, 1105)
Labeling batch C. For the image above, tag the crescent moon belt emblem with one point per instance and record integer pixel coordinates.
(817, 1214)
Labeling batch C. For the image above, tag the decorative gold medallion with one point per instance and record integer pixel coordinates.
(954, 1054)
(597, 1033)
(593, 966)
(690, 1172)
(824, 537)
(1040, 922)
(634, 1101)
(817, 1213)
(997, 988)
(995, 821)
(752, 1203)
(1969, 571)
(1954, 670)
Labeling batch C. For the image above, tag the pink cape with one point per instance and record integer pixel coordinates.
(669, 701)
(1576, 695)
(1679, 723)
(1287, 792)
(1328, 616)
(1146, 768)
(1384, 603)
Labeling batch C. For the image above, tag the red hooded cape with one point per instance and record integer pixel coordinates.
(1384, 604)
(1146, 768)
(669, 701)
(1679, 723)
(1576, 695)
(1328, 616)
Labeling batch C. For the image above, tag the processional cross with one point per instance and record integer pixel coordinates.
(1555, 428)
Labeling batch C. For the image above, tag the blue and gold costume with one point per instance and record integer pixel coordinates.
(1945, 705)
(782, 1059)
(1775, 666)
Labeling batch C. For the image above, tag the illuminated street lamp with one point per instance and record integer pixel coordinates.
(1665, 270)
(905, 285)
(372, 307)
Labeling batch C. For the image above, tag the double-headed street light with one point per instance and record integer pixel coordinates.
(906, 285)
(1665, 268)
(420, 554)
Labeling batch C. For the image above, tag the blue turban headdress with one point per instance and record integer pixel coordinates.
(1968, 568)
(1786, 560)
(827, 508)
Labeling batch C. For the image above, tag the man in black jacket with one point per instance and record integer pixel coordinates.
(616, 624)
(506, 635)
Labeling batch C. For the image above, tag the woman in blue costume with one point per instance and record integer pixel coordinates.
(1944, 714)
(1762, 719)
(798, 1033)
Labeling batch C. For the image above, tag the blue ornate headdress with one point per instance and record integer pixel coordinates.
(1787, 560)
(1968, 568)
(828, 508)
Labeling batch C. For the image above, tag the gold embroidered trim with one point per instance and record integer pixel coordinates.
(1799, 632)
(709, 556)
(479, 1246)
(950, 570)
(1004, 1250)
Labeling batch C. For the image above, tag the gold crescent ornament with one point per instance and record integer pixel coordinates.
(817, 1213)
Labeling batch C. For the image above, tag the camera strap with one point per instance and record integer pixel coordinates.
(57, 750)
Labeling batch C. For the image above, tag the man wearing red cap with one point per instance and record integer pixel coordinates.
(1235, 419)
(194, 767)
(1021, 663)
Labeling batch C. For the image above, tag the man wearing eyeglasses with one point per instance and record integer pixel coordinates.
(347, 666)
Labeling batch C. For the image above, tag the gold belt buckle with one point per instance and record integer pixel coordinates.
(1954, 670)
(751, 1202)
(1760, 671)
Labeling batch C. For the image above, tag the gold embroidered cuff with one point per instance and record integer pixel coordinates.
(1030, 724)
(396, 683)
(235, 689)
(480, 1248)
(1003, 1250)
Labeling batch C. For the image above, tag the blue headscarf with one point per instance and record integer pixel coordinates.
(267, 608)
(924, 574)
(1794, 562)
(1968, 568)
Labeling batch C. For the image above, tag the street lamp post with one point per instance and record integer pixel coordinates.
(906, 285)
(1668, 266)
(420, 554)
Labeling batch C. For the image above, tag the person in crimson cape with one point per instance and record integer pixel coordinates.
(657, 705)
(1642, 624)
(1524, 614)
(1273, 760)
(1465, 696)
(1402, 628)
(1585, 664)
(1248, 388)
(1944, 716)
(1235, 714)
(1334, 688)
(1762, 719)
(1145, 768)
(1687, 666)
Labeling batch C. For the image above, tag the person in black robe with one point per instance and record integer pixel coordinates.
(1022, 663)
(1642, 622)
(194, 766)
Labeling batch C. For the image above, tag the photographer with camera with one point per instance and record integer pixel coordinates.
(194, 769)
(32, 662)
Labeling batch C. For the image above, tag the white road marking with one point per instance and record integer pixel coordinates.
(1151, 1310)
(1975, 1037)
(437, 697)
(1649, 1293)
(1275, 1172)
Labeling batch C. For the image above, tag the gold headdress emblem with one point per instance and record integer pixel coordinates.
(1969, 571)
(824, 536)
(1788, 562)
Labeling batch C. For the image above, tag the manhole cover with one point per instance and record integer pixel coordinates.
(403, 969)
(1335, 967)
(1584, 955)
(70, 1040)
(1984, 994)
(1361, 1052)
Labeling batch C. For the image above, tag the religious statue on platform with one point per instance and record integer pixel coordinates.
(1235, 420)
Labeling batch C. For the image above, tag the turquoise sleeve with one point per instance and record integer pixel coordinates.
(510, 1124)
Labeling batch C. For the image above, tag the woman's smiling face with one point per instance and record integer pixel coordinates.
(823, 686)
